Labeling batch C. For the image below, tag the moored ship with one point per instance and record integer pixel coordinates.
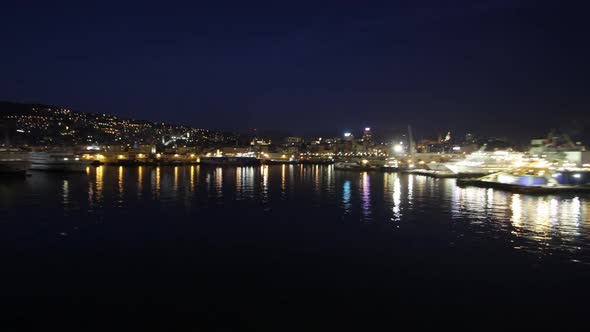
(483, 162)
(61, 161)
(14, 161)
(355, 166)
(229, 161)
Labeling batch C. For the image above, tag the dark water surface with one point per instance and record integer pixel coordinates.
(277, 246)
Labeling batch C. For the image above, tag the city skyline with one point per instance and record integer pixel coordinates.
(43, 115)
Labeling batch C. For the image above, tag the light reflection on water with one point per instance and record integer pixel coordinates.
(346, 194)
(95, 187)
(264, 190)
(120, 186)
(540, 224)
(139, 181)
(156, 182)
(192, 179)
(397, 198)
(410, 189)
(284, 181)
(175, 188)
(219, 182)
(65, 197)
(366, 196)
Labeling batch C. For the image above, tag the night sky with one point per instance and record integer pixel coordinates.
(498, 67)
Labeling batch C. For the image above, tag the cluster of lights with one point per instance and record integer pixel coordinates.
(108, 127)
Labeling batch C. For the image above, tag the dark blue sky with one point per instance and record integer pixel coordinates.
(493, 67)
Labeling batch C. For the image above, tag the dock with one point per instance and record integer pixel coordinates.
(439, 174)
(531, 190)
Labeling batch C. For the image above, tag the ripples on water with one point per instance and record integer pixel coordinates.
(543, 225)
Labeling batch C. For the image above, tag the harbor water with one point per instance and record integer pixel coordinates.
(208, 241)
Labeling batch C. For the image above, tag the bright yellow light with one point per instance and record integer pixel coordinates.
(141, 155)
(158, 155)
(121, 156)
(176, 155)
(365, 161)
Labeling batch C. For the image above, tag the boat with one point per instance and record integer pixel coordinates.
(355, 166)
(14, 161)
(229, 161)
(484, 162)
(390, 165)
(559, 148)
(539, 182)
(281, 161)
(62, 161)
(574, 177)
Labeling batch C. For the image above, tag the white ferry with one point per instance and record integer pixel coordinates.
(62, 161)
(14, 161)
(483, 162)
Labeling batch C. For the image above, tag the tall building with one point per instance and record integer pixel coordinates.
(367, 138)
(294, 140)
(368, 135)
(348, 137)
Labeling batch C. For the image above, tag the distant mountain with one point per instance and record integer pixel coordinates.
(41, 124)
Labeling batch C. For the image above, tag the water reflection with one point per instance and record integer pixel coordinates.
(139, 181)
(346, 192)
(316, 179)
(248, 182)
(264, 189)
(239, 183)
(192, 179)
(120, 186)
(397, 199)
(175, 185)
(65, 199)
(291, 178)
(540, 220)
(97, 190)
(516, 207)
(577, 210)
(99, 182)
(366, 196)
(539, 224)
(301, 173)
(283, 181)
(410, 189)
(330, 180)
(245, 182)
(219, 182)
(156, 184)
